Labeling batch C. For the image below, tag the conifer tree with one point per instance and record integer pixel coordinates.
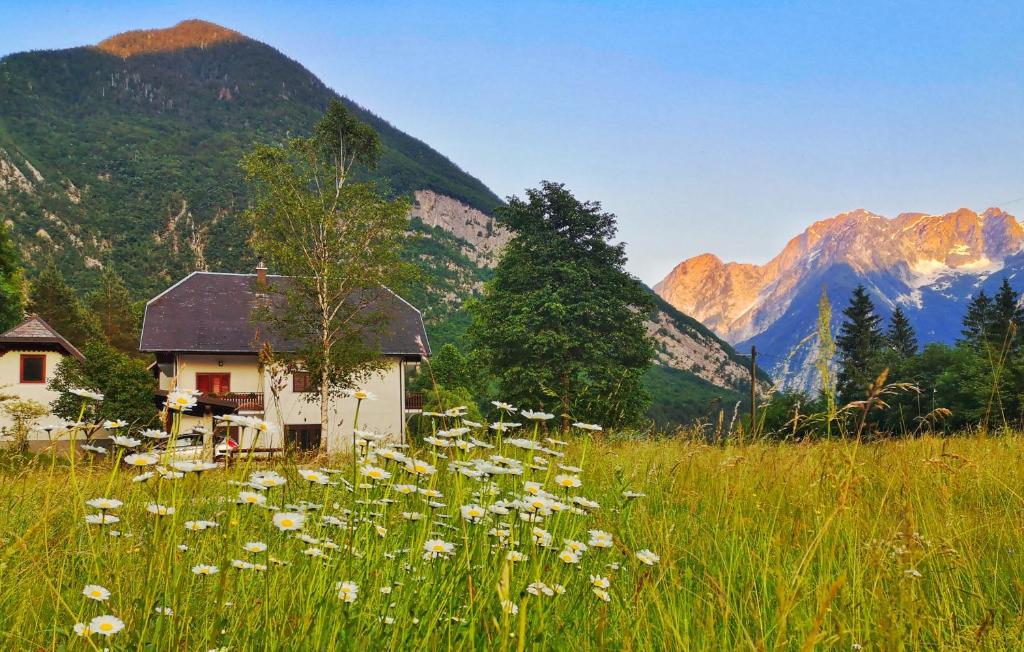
(976, 321)
(1004, 318)
(53, 299)
(111, 304)
(901, 336)
(860, 345)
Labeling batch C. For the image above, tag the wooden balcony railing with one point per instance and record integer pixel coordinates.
(245, 401)
(414, 401)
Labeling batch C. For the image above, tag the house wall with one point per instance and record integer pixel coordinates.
(385, 415)
(10, 377)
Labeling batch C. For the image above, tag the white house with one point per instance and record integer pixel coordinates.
(202, 332)
(29, 355)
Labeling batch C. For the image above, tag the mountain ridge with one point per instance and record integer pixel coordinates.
(912, 260)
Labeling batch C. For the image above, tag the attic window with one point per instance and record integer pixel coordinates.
(33, 369)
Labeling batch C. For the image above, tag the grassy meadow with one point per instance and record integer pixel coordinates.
(898, 545)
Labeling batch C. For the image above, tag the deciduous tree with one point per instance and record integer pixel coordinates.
(561, 324)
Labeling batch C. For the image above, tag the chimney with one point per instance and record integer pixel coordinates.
(261, 274)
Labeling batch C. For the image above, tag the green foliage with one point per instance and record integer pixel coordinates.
(53, 299)
(119, 318)
(680, 398)
(860, 347)
(24, 414)
(12, 298)
(561, 325)
(437, 399)
(127, 386)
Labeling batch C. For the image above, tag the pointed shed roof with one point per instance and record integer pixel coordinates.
(35, 334)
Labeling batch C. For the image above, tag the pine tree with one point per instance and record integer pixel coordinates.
(976, 321)
(1005, 316)
(901, 336)
(111, 304)
(860, 345)
(53, 299)
(12, 300)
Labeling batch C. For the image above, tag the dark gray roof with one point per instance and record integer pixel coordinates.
(34, 333)
(208, 312)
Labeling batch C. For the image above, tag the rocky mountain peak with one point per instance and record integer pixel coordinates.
(192, 33)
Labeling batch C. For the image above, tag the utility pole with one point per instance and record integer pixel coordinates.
(753, 389)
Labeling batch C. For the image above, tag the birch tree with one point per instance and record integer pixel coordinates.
(338, 242)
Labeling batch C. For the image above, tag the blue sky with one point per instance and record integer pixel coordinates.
(705, 126)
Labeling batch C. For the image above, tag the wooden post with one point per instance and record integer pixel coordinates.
(753, 389)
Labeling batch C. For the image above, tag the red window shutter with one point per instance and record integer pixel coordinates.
(203, 383)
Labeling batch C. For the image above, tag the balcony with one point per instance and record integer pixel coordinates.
(244, 401)
(414, 401)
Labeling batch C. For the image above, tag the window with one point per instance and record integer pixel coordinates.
(213, 383)
(33, 368)
(303, 437)
(301, 382)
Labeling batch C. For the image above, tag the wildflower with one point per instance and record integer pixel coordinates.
(121, 440)
(106, 625)
(575, 546)
(159, 510)
(99, 450)
(436, 547)
(374, 472)
(472, 424)
(82, 629)
(267, 479)
(104, 503)
(405, 489)
(503, 426)
(913, 572)
(85, 393)
(437, 441)
(205, 569)
(588, 426)
(602, 594)
(154, 434)
(536, 416)
(538, 588)
(583, 502)
(600, 539)
(412, 516)
(101, 519)
(648, 557)
(241, 564)
(633, 494)
(533, 488)
(569, 556)
(600, 582)
(472, 513)
(360, 395)
(141, 459)
(568, 481)
(180, 400)
(96, 592)
(556, 442)
(164, 611)
(509, 607)
(143, 477)
(419, 467)
(348, 591)
(514, 556)
(251, 498)
(570, 469)
(315, 477)
(504, 407)
(286, 521)
(255, 546)
(314, 552)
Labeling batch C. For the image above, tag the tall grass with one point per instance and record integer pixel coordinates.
(833, 545)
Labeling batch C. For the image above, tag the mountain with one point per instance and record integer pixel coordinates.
(930, 265)
(125, 155)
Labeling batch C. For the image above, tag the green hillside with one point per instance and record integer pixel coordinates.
(140, 155)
